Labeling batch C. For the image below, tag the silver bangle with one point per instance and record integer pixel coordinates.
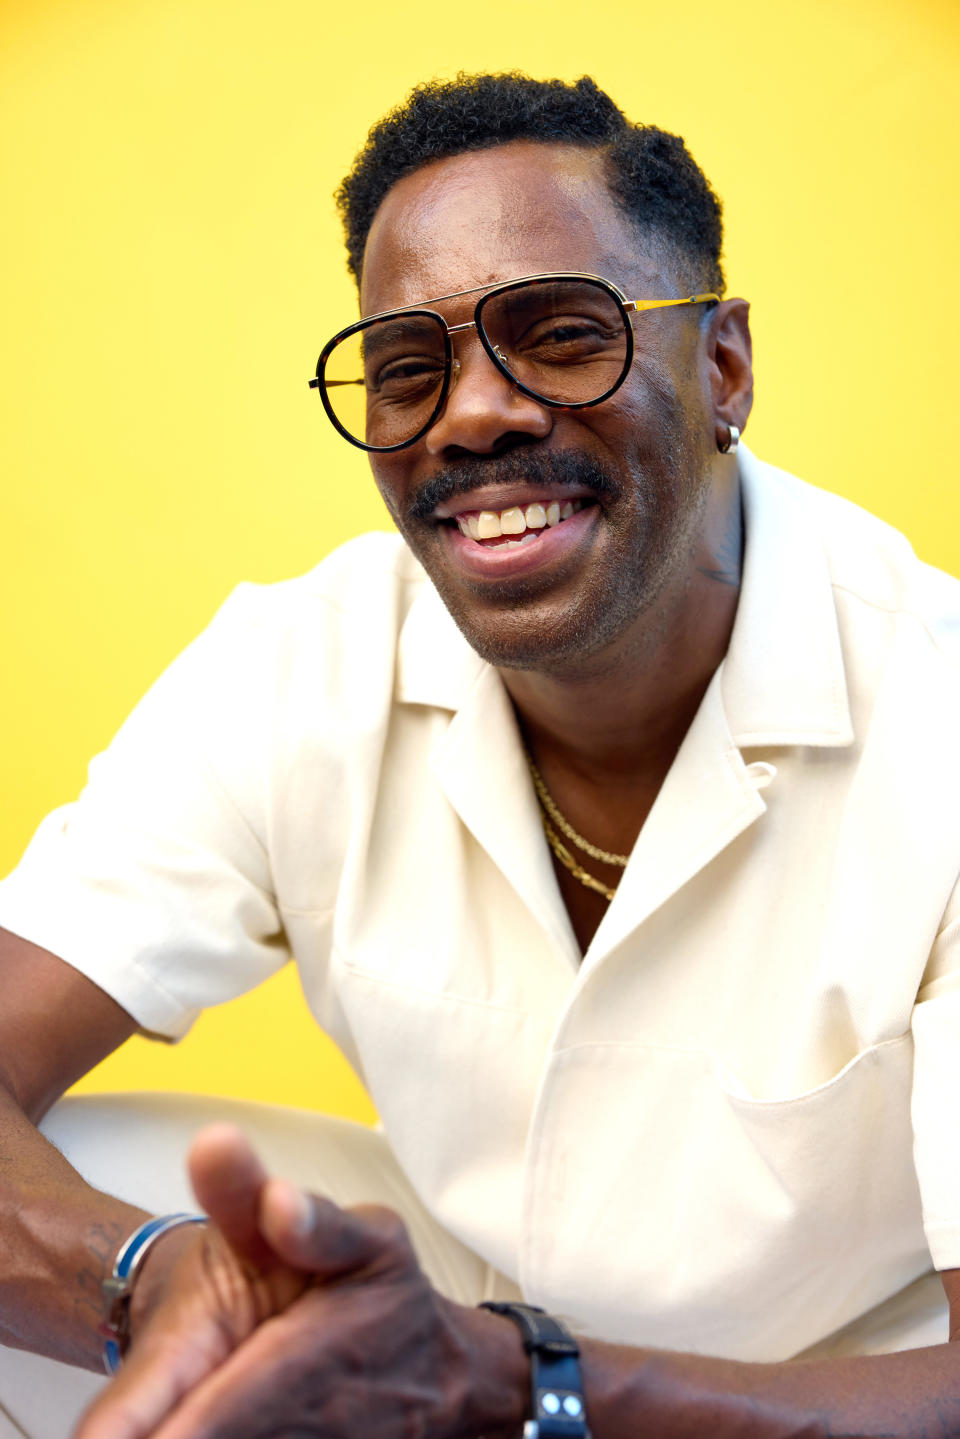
(118, 1288)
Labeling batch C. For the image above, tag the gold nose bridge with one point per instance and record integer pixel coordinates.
(455, 363)
(455, 366)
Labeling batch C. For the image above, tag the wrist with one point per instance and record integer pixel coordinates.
(557, 1404)
(497, 1402)
(128, 1294)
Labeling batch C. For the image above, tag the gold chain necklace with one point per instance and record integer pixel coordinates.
(568, 862)
(551, 811)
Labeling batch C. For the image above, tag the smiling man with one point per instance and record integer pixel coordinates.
(609, 814)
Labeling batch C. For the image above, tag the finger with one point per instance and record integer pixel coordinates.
(227, 1178)
(132, 1411)
(314, 1234)
(151, 1386)
(251, 1394)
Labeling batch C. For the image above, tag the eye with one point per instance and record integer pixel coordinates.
(403, 357)
(406, 376)
(566, 338)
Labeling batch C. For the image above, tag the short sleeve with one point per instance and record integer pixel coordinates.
(936, 1092)
(156, 883)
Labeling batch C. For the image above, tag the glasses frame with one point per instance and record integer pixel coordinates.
(452, 365)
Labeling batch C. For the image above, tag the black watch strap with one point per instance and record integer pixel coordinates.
(559, 1411)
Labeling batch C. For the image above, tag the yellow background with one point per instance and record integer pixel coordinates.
(170, 265)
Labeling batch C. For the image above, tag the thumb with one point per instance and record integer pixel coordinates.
(227, 1178)
(312, 1233)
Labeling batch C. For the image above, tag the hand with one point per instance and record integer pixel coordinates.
(290, 1317)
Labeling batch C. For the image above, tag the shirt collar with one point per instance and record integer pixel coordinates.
(435, 664)
(783, 678)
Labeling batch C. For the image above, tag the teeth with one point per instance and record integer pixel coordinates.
(491, 524)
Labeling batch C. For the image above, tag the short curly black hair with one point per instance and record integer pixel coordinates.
(652, 176)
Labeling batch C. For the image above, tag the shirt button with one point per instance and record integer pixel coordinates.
(761, 773)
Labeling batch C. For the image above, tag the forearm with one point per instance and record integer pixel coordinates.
(58, 1239)
(682, 1396)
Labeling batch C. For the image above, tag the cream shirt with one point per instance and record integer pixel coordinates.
(731, 1127)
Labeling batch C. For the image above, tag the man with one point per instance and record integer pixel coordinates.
(673, 1057)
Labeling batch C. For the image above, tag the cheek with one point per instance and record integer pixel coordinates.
(388, 477)
(665, 408)
(634, 425)
(671, 371)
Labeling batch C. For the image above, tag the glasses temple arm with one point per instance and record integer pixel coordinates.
(639, 305)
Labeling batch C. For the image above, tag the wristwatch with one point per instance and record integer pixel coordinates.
(559, 1411)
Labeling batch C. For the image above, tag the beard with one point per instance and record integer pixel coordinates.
(572, 623)
(523, 465)
(534, 623)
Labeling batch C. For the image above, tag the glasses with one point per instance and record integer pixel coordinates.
(564, 339)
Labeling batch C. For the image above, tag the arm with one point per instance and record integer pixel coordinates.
(58, 1236)
(360, 1344)
(678, 1396)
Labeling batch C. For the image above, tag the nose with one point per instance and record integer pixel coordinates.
(484, 412)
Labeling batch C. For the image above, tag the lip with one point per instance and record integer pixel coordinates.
(507, 497)
(501, 562)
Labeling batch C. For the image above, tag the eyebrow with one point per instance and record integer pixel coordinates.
(438, 299)
(400, 328)
(492, 285)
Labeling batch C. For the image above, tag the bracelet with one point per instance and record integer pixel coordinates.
(559, 1411)
(118, 1288)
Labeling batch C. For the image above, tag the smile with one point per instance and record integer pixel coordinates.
(521, 540)
(516, 525)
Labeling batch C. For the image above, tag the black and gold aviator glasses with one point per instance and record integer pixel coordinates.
(565, 339)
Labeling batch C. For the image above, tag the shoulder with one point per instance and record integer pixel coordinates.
(367, 583)
(877, 579)
(278, 661)
(340, 619)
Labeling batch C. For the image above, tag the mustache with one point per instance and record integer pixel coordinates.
(569, 468)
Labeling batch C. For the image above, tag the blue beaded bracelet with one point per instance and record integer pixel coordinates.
(118, 1288)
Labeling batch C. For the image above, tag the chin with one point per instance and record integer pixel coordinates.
(565, 640)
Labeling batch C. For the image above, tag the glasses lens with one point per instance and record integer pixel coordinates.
(563, 339)
(384, 381)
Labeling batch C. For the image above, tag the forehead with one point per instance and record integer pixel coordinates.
(494, 214)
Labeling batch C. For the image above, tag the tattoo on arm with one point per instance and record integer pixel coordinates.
(103, 1241)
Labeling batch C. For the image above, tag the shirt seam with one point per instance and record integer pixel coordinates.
(899, 611)
(148, 984)
(245, 824)
(444, 995)
(630, 1044)
(306, 911)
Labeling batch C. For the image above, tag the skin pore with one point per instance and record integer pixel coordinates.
(607, 647)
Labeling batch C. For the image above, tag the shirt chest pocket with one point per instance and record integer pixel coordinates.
(710, 1221)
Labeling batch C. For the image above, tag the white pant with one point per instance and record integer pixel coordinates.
(133, 1145)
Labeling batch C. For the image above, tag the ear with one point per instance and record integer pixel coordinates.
(730, 362)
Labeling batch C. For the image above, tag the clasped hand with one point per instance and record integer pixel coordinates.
(288, 1316)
